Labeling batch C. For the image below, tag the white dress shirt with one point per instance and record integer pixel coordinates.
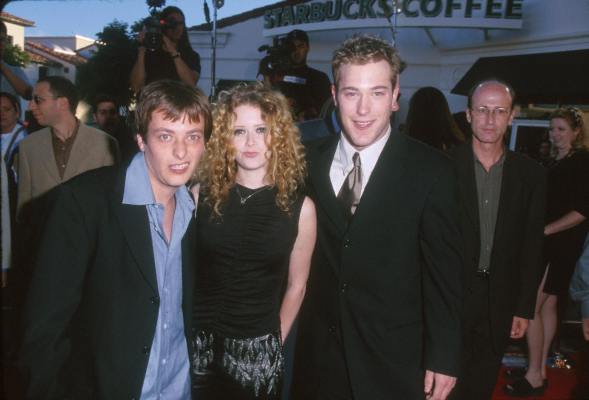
(342, 160)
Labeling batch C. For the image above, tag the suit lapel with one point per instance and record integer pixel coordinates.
(135, 227)
(48, 156)
(465, 157)
(78, 154)
(188, 264)
(509, 191)
(319, 168)
(385, 183)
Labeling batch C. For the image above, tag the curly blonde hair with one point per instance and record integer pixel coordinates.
(286, 164)
(574, 118)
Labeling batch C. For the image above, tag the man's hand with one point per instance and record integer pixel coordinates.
(141, 37)
(168, 45)
(437, 386)
(586, 328)
(518, 327)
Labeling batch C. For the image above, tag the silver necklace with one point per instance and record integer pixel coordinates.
(242, 199)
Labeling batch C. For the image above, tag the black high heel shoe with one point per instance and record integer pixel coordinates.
(523, 388)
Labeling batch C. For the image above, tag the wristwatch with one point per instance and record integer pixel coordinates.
(176, 55)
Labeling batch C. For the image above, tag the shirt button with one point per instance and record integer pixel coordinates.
(347, 244)
(164, 361)
(145, 350)
(165, 326)
(344, 287)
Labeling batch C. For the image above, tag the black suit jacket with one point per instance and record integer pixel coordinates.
(388, 286)
(93, 303)
(516, 259)
(314, 129)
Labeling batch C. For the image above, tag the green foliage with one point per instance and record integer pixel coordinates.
(155, 4)
(109, 68)
(14, 55)
(138, 26)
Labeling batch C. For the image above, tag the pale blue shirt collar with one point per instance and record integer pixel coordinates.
(138, 189)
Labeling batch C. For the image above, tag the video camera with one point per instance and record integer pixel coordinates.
(277, 59)
(154, 27)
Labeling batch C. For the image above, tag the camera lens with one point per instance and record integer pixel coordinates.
(153, 34)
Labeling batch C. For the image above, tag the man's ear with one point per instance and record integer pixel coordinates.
(334, 94)
(64, 104)
(140, 142)
(396, 90)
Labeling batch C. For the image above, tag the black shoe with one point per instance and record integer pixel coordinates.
(523, 388)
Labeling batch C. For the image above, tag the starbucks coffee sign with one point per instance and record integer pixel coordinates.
(350, 14)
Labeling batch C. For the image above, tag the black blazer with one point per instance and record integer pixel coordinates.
(92, 308)
(516, 259)
(389, 283)
(314, 129)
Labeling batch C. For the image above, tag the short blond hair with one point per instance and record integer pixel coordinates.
(364, 49)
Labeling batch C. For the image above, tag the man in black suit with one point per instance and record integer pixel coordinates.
(502, 221)
(109, 307)
(382, 315)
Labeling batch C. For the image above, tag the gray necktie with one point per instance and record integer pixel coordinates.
(349, 194)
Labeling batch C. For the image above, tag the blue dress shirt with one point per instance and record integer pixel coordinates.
(167, 374)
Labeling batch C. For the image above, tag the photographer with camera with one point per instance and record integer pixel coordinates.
(164, 51)
(286, 69)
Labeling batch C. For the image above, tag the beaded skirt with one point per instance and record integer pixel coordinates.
(250, 368)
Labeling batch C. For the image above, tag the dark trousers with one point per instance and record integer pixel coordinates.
(334, 382)
(480, 361)
(329, 375)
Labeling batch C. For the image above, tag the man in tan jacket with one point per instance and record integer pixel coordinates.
(64, 148)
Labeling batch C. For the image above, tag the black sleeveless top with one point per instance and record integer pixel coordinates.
(242, 263)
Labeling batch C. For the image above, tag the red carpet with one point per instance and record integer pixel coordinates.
(563, 384)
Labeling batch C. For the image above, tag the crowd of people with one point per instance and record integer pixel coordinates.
(207, 253)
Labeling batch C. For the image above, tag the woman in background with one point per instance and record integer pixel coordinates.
(12, 132)
(429, 120)
(567, 209)
(256, 233)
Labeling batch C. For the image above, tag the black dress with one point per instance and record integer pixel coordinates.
(568, 190)
(241, 274)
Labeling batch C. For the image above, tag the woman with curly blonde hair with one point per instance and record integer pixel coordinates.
(567, 225)
(256, 233)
